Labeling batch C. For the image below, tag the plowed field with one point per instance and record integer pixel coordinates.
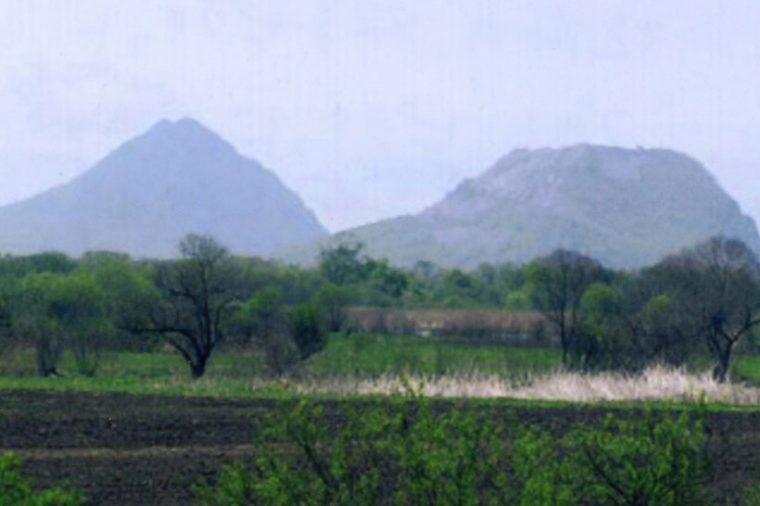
(142, 450)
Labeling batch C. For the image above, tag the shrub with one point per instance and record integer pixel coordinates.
(307, 328)
(624, 462)
(15, 491)
(750, 495)
(407, 453)
(398, 453)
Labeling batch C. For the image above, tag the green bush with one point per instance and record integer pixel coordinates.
(15, 491)
(395, 453)
(407, 453)
(307, 328)
(750, 495)
(632, 462)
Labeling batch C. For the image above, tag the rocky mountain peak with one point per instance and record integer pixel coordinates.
(625, 207)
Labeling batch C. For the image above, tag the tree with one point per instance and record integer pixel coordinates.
(559, 282)
(79, 307)
(33, 320)
(661, 321)
(343, 264)
(129, 292)
(307, 328)
(56, 311)
(197, 296)
(333, 301)
(7, 291)
(386, 280)
(716, 288)
(262, 317)
(51, 261)
(599, 343)
(262, 314)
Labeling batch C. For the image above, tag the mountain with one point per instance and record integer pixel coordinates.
(625, 207)
(176, 178)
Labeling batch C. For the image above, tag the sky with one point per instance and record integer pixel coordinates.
(373, 108)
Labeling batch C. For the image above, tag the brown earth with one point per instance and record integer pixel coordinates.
(143, 450)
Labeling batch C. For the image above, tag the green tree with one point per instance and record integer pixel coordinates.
(559, 282)
(55, 311)
(33, 320)
(386, 280)
(599, 343)
(262, 314)
(52, 261)
(333, 300)
(79, 307)
(307, 328)
(130, 295)
(343, 264)
(262, 318)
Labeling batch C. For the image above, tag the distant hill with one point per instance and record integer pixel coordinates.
(175, 179)
(627, 208)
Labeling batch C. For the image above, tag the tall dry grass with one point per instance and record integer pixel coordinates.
(654, 383)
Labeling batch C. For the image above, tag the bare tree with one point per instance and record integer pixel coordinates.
(198, 292)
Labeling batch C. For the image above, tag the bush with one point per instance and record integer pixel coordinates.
(750, 495)
(307, 328)
(624, 462)
(383, 454)
(407, 453)
(15, 491)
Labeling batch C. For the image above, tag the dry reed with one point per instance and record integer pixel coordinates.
(654, 383)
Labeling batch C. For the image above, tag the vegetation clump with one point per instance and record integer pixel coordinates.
(410, 453)
(16, 491)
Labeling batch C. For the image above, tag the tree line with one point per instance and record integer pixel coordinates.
(703, 301)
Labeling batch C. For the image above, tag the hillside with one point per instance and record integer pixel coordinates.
(625, 207)
(175, 179)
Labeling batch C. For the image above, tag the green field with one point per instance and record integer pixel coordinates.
(373, 355)
(238, 373)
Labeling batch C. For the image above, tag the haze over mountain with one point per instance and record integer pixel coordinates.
(176, 178)
(626, 208)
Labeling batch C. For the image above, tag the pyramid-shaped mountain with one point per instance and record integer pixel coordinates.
(626, 207)
(176, 178)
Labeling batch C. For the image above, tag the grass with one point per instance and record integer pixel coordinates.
(363, 355)
(236, 374)
(229, 374)
(747, 369)
(382, 365)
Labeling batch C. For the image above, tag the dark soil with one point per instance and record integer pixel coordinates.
(143, 450)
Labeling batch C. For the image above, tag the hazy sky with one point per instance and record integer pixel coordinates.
(370, 109)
